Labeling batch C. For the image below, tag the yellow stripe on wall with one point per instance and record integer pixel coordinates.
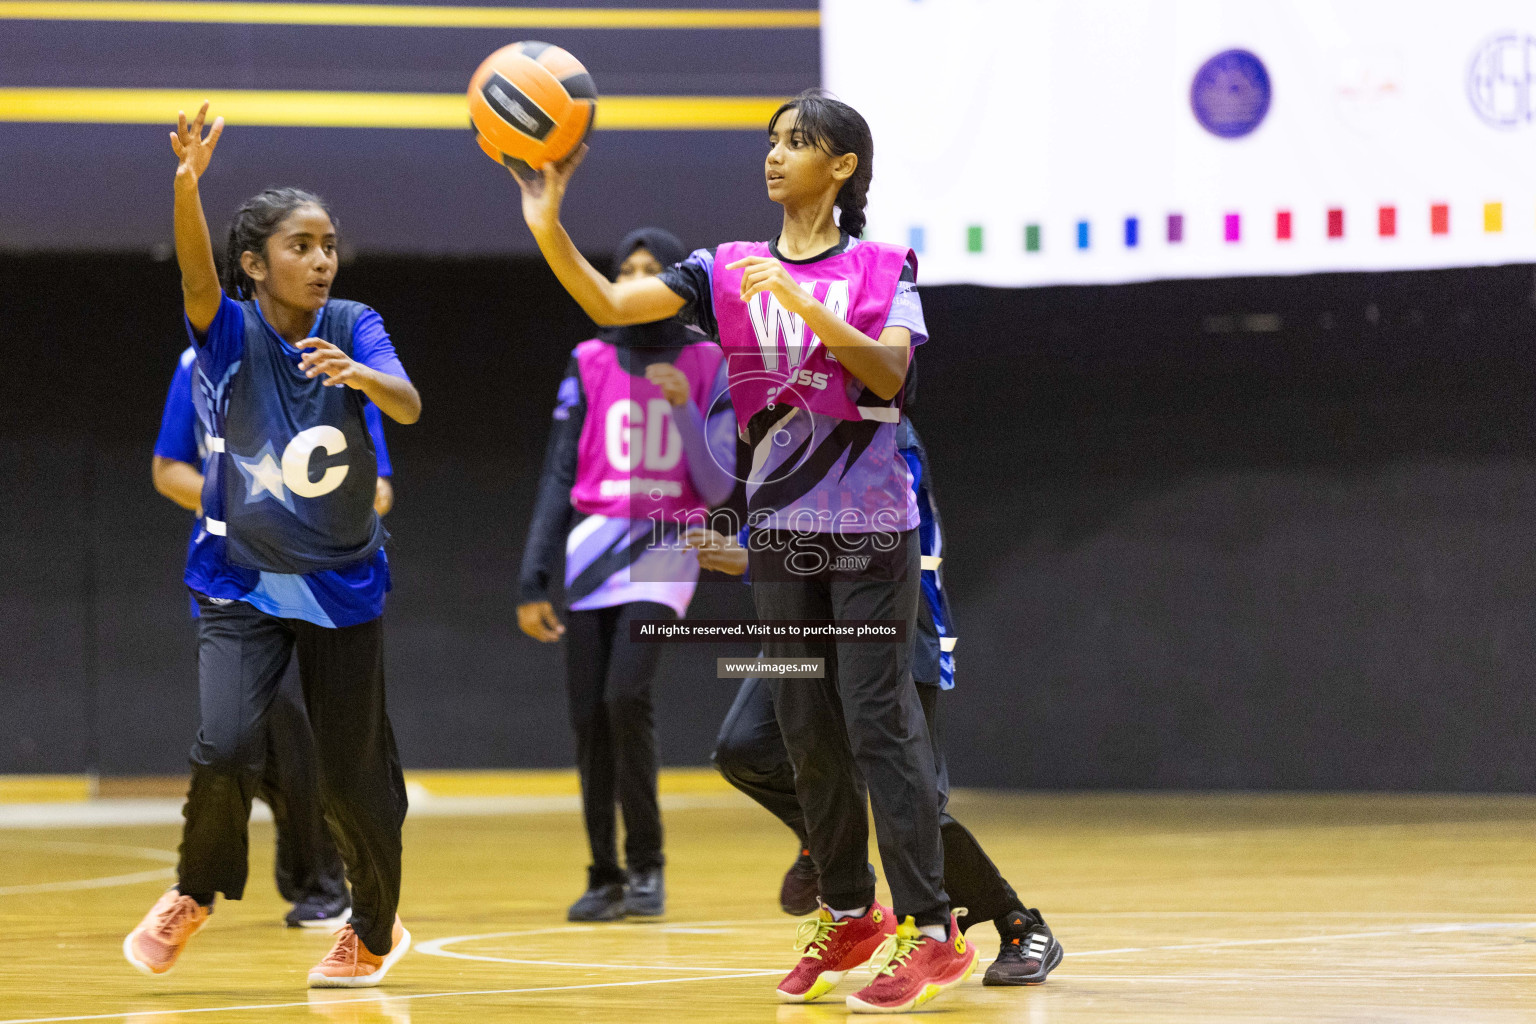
(400, 16)
(359, 109)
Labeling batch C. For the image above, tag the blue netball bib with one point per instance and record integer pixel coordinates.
(292, 468)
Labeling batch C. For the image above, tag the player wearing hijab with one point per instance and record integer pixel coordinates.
(308, 869)
(818, 327)
(289, 558)
(633, 453)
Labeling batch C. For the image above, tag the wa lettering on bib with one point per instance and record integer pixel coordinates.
(773, 357)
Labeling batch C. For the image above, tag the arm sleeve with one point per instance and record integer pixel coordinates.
(545, 550)
(178, 423)
(710, 444)
(375, 420)
(692, 279)
(222, 345)
(371, 345)
(907, 309)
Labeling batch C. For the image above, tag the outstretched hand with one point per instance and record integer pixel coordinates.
(192, 149)
(544, 190)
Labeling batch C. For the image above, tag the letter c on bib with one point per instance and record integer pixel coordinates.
(296, 461)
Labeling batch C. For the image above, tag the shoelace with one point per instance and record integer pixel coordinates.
(344, 953)
(893, 953)
(180, 916)
(811, 936)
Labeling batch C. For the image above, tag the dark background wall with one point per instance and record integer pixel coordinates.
(106, 187)
(1240, 533)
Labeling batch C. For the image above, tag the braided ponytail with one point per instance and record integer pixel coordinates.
(837, 129)
(256, 221)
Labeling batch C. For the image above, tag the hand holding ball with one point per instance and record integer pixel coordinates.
(531, 104)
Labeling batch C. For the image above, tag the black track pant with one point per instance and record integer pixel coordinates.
(241, 655)
(861, 724)
(308, 864)
(750, 754)
(608, 684)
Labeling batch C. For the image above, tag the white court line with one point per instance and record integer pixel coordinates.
(437, 947)
(374, 998)
(1422, 929)
(1249, 977)
(1426, 929)
(167, 811)
(105, 882)
(61, 846)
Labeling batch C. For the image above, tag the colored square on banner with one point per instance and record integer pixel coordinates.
(1132, 232)
(1283, 225)
(1234, 227)
(1335, 223)
(1175, 228)
(1440, 219)
(1493, 218)
(1082, 234)
(1032, 238)
(915, 240)
(973, 238)
(1386, 221)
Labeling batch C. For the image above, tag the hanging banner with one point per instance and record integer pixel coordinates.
(1032, 142)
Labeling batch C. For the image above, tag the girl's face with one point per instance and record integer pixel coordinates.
(637, 265)
(298, 263)
(797, 171)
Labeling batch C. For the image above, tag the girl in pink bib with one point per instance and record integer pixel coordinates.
(629, 466)
(818, 328)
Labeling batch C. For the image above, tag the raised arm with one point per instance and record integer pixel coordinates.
(609, 303)
(200, 292)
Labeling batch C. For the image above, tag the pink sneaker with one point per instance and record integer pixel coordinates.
(830, 949)
(350, 964)
(158, 940)
(914, 968)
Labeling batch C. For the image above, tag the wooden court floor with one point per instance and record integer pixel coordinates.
(1172, 908)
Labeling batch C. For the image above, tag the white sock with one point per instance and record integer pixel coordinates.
(936, 932)
(838, 915)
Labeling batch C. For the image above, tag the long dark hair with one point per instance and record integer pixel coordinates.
(837, 128)
(254, 223)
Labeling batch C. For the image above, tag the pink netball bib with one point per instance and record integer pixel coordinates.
(630, 462)
(772, 356)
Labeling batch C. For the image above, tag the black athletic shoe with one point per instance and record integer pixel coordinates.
(801, 892)
(599, 903)
(324, 912)
(646, 893)
(1029, 951)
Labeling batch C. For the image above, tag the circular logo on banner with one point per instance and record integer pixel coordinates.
(1502, 80)
(1230, 94)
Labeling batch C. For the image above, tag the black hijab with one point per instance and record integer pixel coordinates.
(661, 339)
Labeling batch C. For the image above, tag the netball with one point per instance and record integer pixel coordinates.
(531, 104)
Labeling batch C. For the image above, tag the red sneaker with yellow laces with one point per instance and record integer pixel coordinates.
(830, 949)
(913, 968)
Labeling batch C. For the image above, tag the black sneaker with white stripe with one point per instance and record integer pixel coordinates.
(1029, 951)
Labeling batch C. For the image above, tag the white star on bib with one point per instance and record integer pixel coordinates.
(265, 475)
